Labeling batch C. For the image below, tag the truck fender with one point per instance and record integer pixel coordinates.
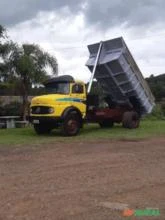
(72, 109)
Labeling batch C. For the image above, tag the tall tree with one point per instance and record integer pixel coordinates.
(2, 33)
(4, 49)
(26, 66)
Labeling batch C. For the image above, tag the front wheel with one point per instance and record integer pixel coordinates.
(41, 129)
(131, 120)
(71, 125)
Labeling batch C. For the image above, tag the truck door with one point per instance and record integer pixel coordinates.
(78, 93)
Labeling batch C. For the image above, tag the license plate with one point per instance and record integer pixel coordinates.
(36, 121)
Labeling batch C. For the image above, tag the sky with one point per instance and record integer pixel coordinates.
(64, 29)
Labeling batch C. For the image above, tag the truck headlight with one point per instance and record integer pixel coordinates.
(51, 110)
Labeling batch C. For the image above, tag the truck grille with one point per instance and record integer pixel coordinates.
(40, 110)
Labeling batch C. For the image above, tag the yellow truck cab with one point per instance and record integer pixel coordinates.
(63, 105)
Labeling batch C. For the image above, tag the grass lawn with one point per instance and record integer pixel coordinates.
(26, 136)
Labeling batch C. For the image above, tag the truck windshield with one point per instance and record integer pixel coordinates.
(57, 88)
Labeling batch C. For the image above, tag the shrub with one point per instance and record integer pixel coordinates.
(13, 108)
(157, 113)
(163, 107)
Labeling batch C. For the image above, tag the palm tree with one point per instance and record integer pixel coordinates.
(26, 66)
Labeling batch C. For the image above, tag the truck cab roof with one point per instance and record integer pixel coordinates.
(62, 79)
(58, 79)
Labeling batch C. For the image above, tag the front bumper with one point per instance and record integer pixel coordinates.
(45, 120)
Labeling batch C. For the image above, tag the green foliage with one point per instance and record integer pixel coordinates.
(7, 88)
(12, 109)
(96, 88)
(157, 85)
(1, 108)
(1, 30)
(158, 112)
(163, 107)
(4, 50)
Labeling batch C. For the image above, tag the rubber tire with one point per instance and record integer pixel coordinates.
(131, 120)
(41, 129)
(72, 120)
(106, 124)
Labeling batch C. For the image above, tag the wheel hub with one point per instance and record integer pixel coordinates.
(72, 126)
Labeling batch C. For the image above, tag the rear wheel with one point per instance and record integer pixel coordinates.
(71, 125)
(41, 129)
(106, 124)
(131, 120)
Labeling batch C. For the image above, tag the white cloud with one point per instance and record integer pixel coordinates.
(61, 36)
(66, 36)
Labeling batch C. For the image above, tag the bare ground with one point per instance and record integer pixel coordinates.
(82, 180)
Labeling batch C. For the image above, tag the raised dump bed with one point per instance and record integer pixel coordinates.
(119, 75)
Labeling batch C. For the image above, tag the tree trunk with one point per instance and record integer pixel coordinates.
(24, 100)
(24, 106)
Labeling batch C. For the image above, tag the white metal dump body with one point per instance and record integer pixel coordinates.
(119, 75)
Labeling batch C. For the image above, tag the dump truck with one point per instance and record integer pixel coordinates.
(68, 103)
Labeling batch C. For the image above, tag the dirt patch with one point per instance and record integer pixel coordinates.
(82, 180)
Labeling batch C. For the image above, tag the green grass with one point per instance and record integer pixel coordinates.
(27, 136)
